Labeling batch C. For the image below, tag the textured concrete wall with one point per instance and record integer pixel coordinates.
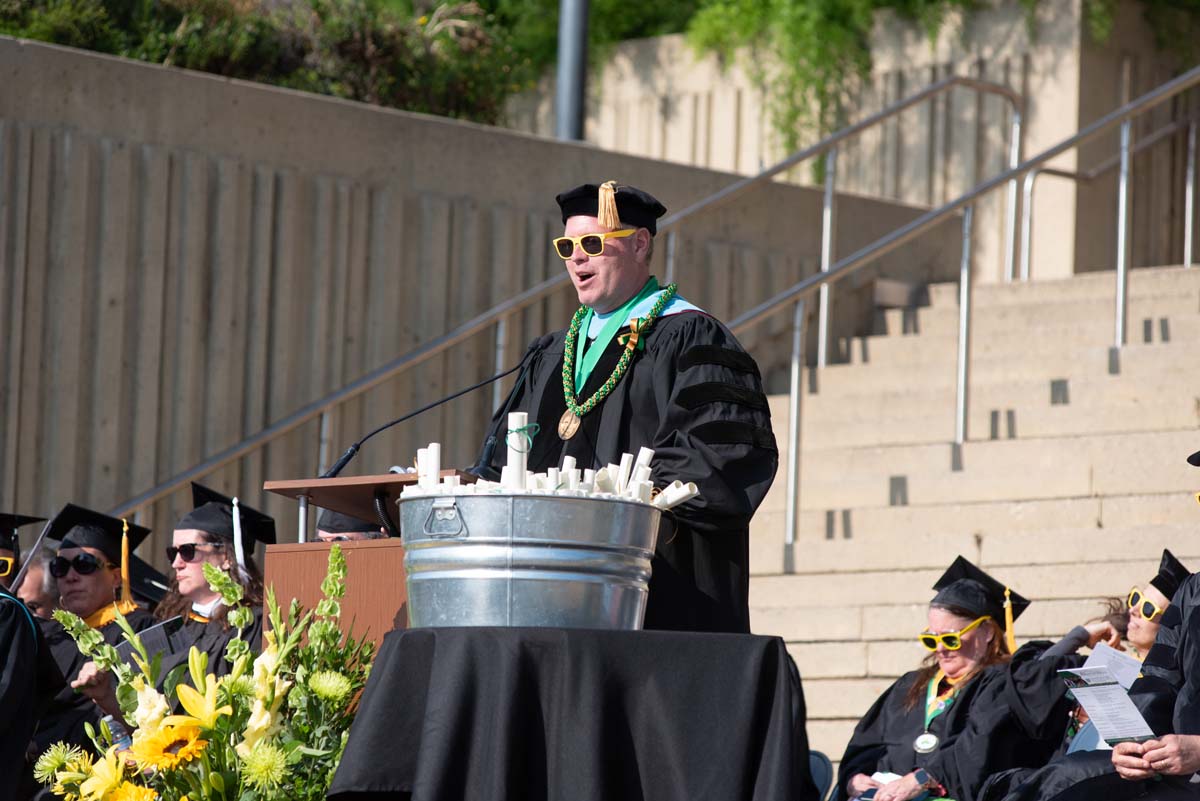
(185, 260)
(656, 97)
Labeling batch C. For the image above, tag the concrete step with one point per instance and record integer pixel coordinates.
(1020, 345)
(899, 404)
(1142, 281)
(877, 549)
(998, 470)
(988, 321)
(879, 525)
(1144, 362)
(911, 422)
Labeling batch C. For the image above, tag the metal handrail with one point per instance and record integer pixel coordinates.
(914, 228)
(798, 293)
(498, 315)
(1109, 164)
(829, 148)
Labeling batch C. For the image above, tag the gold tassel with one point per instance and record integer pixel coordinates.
(1010, 636)
(606, 205)
(126, 591)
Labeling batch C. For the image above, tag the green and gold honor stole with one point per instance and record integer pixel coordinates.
(580, 358)
(935, 705)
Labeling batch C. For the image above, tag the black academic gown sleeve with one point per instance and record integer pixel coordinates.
(28, 679)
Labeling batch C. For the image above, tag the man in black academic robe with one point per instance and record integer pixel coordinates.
(691, 393)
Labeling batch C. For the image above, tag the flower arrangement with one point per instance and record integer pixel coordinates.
(273, 728)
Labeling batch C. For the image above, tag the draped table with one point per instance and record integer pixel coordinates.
(575, 714)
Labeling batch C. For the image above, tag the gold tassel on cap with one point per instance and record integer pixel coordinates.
(606, 205)
(1010, 636)
(125, 591)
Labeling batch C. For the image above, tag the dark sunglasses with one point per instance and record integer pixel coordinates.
(1150, 610)
(188, 550)
(85, 564)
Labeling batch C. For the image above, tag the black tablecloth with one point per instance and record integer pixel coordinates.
(574, 714)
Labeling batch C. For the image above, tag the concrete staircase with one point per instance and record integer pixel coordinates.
(1072, 482)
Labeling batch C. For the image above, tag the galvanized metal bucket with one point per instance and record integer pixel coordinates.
(527, 560)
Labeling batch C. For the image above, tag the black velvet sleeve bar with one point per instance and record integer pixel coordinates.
(574, 714)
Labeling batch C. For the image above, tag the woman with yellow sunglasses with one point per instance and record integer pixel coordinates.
(942, 729)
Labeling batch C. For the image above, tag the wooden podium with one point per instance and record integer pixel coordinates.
(375, 586)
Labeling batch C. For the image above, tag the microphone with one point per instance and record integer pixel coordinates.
(345, 458)
(482, 468)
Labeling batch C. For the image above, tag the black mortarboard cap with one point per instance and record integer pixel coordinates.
(213, 513)
(1194, 459)
(146, 583)
(966, 587)
(1171, 574)
(77, 527)
(8, 529)
(635, 208)
(338, 523)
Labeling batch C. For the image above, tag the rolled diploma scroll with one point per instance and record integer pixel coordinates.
(422, 460)
(518, 455)
(641, 474)
(677, 495)
(644, 457)
(604, 482)
(624, 472)
(433, 464)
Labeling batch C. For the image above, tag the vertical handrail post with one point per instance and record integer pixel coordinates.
(1122, 305)
(964, 340)
(1027, 224)
(792, 508)
(1189, 196)
(1010, 228)
(670, 271)
(828, 224)
(498, 360)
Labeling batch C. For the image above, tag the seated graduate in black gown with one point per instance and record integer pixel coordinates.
(92, 568)
(205, 535)
(944, 728)
(1081, 757)
(222, 532)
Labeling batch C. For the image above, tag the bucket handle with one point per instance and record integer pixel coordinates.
(444, 520)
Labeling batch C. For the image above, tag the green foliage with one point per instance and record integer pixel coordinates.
(531, 26)
(444, 58)
(820, 49)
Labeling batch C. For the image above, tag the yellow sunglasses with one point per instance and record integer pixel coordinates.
(6, 565)
(1150, 610)
(951, 640)
(591, 244)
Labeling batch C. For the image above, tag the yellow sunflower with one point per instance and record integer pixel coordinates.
(168, 747)
(132, 792)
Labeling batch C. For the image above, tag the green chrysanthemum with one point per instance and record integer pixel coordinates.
(56, 758)
(242, 686)
(264, 767)
(329, 685)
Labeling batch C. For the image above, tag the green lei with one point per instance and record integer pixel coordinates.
(638, 328)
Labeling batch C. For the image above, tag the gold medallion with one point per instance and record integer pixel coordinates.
(568, 424)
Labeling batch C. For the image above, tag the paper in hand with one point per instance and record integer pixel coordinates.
(1125, 668)
(1107, 703)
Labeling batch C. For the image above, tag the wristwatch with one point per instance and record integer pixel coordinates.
(923, 778)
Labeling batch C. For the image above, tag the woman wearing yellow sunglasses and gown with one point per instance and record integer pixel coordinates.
(941, 730)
